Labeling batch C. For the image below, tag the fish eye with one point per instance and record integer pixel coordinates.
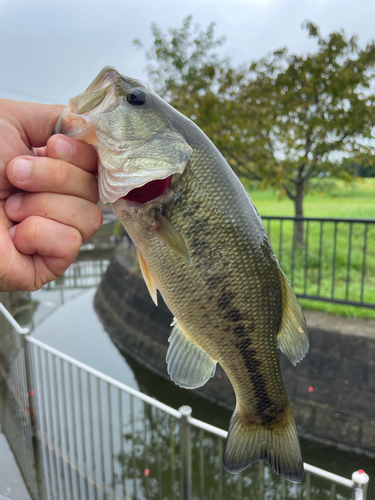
(136, 97)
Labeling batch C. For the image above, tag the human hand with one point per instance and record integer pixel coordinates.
(54, 204)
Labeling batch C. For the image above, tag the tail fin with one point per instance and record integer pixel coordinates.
(277, 444)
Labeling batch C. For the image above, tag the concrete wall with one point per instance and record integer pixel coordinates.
(340, 372)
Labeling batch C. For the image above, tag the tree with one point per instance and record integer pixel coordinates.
(186, 71)
(285, 118)
(317, 112)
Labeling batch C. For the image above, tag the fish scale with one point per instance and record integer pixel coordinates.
(202, 243)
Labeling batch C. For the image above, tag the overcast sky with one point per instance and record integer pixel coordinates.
(51, 50)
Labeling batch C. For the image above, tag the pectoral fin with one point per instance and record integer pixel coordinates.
(147, 276)
(292, 338)
(189, 366)
(169, 234)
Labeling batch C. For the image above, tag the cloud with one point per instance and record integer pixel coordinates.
(51, 50)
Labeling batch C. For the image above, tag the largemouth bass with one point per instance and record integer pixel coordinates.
(202, 243)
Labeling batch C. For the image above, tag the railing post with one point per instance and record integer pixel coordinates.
(32, 413)
(360, 480)
(186, 464)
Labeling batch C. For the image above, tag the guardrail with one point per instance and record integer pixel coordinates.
(78, 434)
(326, 259)
(81, 274)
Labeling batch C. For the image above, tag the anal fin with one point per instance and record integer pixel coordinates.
(292, 338)
(147, 276)
(189, 366)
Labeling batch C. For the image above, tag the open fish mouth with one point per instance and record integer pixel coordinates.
(99, 95)
(148, 192)
(137, 148)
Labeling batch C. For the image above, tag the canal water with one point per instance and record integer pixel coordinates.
(62, 315)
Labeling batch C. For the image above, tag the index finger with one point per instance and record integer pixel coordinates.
(70, 150)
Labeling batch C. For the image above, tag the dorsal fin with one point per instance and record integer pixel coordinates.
(147, 276)
(189, 365)
(292, 338)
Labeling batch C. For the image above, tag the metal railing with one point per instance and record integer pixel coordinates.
(78, 434)
(81, 274)
(326, 259)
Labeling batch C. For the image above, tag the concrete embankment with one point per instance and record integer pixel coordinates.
(332, 390)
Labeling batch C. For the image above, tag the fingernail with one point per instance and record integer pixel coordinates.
(12, 231)
(14, 202)
(64, 149)
(21, 169)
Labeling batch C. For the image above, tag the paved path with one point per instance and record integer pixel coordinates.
(347, 326)
(11, 482)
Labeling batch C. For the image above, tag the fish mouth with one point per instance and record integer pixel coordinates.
(75, 119)
(148, 192)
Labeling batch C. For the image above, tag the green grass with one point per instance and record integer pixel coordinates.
(330, 199)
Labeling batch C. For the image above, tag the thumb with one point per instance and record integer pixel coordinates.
(34, 121)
